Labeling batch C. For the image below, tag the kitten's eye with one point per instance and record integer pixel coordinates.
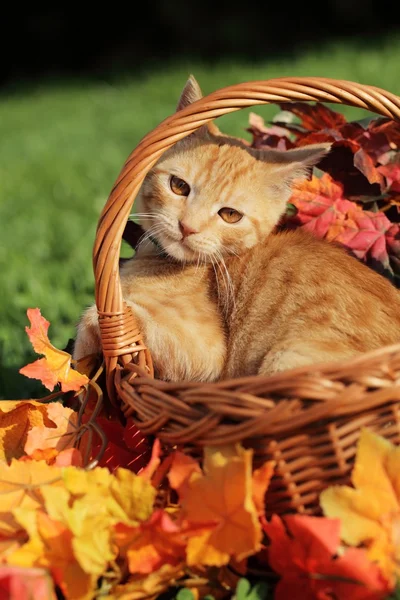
(230, 215)
(178, 186)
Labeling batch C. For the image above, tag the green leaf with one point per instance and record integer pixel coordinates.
(260, 591)
(184, 594)
(244, 591)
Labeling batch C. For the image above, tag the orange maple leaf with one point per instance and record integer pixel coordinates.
(65, 458)
(56, 366)
(158, 541)
(224, 494)
(60, 436)
(370, 512)
(20, 488)
(148, 471)
(50, 546)
(261, 478)
(182, 468)
(16, 419)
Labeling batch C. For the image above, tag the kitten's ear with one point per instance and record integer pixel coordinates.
(295, 163)
(192, 92)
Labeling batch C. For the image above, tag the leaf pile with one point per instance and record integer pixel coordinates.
(170, 526)
(356, 201)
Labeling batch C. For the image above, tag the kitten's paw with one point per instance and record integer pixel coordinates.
(88, 339)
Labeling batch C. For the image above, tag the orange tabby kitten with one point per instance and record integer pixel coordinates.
(229, 296)
(177, 314)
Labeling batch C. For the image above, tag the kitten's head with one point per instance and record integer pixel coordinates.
(211, 195)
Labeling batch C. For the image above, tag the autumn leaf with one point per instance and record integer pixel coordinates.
(50, 546)
(148, 471)
(222, 494)
(261, 479)
(21, 484)
(273, 136)
(71, 457)
(60, 436)
(391, 172)
(323, 211)
(305, 552)
(122, 496)
(126, 446)
(370, 511)
(63, 519)
(315, 116)
(65, 458)
(25, 584)
(357, 148)
(134, 495)
(181, 471)
(72, 531)
(140, 587)
(16, 419)
(56, 366)
(393, 245)
(156, 542)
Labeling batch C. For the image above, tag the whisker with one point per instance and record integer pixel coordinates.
(152, 231)
(230, 292)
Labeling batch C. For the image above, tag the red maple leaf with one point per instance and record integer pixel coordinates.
(315, 116)
(357, 148)
(323, 211)
(126, 446)
(273, 136)
(305, 552)
(391, 172)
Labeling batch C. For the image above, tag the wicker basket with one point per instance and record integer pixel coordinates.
(308, 420)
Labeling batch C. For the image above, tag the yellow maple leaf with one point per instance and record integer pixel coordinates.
(20, 487)
(125, 496)
(16, 419)
(134, 494)
(80, 482)
(56, 366)
(50, 546)
(91, 503)
(59, 436)
(87, 519)
(224, 495)
(370, 512)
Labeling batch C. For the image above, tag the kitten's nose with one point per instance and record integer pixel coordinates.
(186, 230)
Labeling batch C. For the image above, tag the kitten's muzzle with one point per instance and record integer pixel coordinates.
(186, 230)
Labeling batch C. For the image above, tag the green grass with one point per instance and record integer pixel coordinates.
(61, 148)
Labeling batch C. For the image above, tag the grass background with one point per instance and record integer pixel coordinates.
(62, 145)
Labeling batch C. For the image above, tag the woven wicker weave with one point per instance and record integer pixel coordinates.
(308, 420)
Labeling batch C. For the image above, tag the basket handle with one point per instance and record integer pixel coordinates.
(121, 338)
